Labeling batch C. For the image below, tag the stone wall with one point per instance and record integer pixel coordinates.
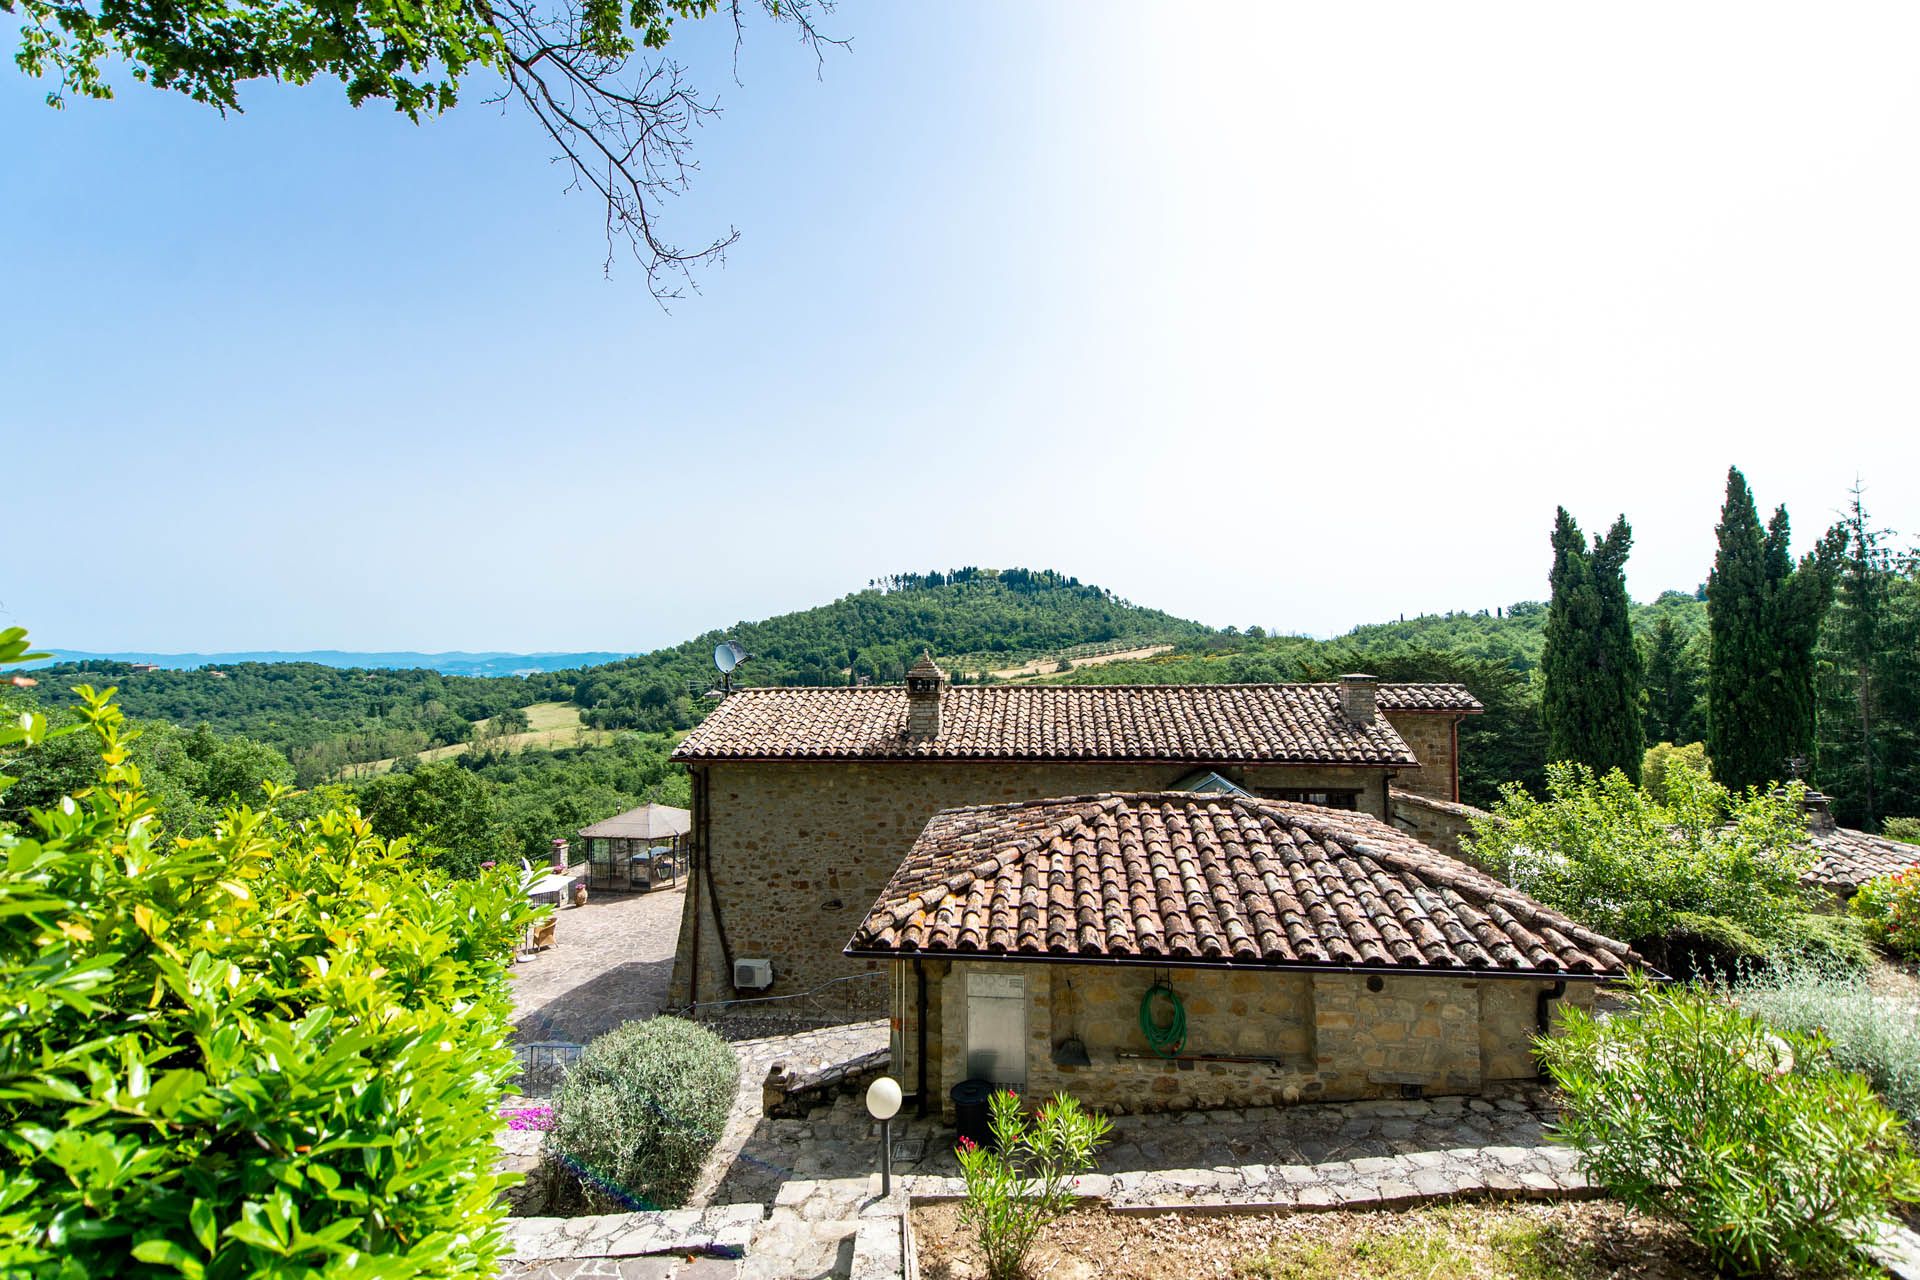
(1432, 736)
(1329, 1036)
(1436, 823)
(1255, 1015)
(797, 853)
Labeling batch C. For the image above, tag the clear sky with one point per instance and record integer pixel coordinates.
(1300, 316)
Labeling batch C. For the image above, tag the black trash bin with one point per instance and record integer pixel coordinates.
(970, 1114)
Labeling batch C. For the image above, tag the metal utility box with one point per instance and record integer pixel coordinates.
(997, 1028)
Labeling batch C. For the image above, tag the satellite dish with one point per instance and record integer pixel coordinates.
(727, 655)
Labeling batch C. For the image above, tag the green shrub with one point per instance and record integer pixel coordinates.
(636, 1117)
(1825, 940)
(1026, 1182)
(1663, 757)
(1759, 1143)
(1717, 948)
(275, 1050)
(1639, 867)
(1889, 908)
(1876, 1035)
(1907, 829)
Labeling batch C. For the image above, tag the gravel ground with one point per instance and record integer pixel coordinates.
(1586, 1240)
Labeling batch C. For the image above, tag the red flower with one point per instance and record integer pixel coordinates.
(966, 1143)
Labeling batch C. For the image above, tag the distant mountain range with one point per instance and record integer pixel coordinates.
(449, 664)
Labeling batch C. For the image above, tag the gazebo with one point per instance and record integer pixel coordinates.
(638, 849)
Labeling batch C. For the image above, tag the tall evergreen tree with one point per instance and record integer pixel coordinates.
(1673, 673)
(1590, 663)
(1763, 619)
(1867, 682)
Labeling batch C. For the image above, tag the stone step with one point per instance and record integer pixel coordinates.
(789, 1247)
(722, 1231)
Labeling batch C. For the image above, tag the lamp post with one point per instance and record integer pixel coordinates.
(883, 1103)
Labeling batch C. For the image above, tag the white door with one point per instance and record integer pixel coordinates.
(997, 1027)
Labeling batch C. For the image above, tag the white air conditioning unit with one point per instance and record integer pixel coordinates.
(752, 975)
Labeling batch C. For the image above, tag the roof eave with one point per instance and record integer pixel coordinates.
(1388, 970)
(991, 758)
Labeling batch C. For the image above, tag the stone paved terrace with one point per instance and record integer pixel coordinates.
(611, 963)
(1261, 1155)
(813, 1181)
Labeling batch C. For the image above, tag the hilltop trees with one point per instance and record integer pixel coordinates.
(1763, 615)
(1590, 663)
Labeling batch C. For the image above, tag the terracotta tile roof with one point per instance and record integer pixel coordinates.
(1429, 697)
(1849, 858)
(1182, 879)
(1285, 723)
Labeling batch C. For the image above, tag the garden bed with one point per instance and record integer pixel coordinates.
(1465, 1240)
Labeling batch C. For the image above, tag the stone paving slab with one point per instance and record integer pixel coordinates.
(611, 963)
(723, 1231)
(1898, 1251)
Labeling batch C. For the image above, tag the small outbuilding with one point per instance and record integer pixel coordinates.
(638, 849)
(1171, 950)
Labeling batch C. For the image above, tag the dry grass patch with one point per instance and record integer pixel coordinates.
(1475, 1240)
(550, 726)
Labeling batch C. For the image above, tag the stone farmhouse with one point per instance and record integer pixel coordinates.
(805, 800)
(1310, 954)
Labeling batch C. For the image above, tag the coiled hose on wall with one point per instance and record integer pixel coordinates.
(1172, 1038)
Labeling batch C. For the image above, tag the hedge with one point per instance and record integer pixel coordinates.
(273, 1051)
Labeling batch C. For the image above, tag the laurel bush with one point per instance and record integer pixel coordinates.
(275, 1050)
(638, 1114)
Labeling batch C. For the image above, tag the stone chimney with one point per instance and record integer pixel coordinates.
(925, 683)
(1357, 698)
(1818, 813)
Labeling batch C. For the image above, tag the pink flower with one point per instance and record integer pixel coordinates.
(966, 1143)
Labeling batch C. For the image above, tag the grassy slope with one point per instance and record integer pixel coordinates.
(549, 725)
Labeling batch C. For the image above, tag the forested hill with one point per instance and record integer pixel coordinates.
(1514, 634)
(322, 717)
(974, 620)
(1494, 653)
(447, 664)
(307, 711)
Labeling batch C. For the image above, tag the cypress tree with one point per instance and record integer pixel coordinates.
(1590, 664)
(1763, 618)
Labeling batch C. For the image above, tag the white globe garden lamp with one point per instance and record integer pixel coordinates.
(883, 1104)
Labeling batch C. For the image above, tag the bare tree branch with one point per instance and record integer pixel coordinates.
(624, 121)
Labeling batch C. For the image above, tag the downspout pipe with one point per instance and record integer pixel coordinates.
(1543, 1012)
(920, 1035)
(693, 889)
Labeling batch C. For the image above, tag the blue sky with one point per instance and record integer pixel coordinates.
(1284, 316)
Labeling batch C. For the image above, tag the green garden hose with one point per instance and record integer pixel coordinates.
(1172, 1038)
